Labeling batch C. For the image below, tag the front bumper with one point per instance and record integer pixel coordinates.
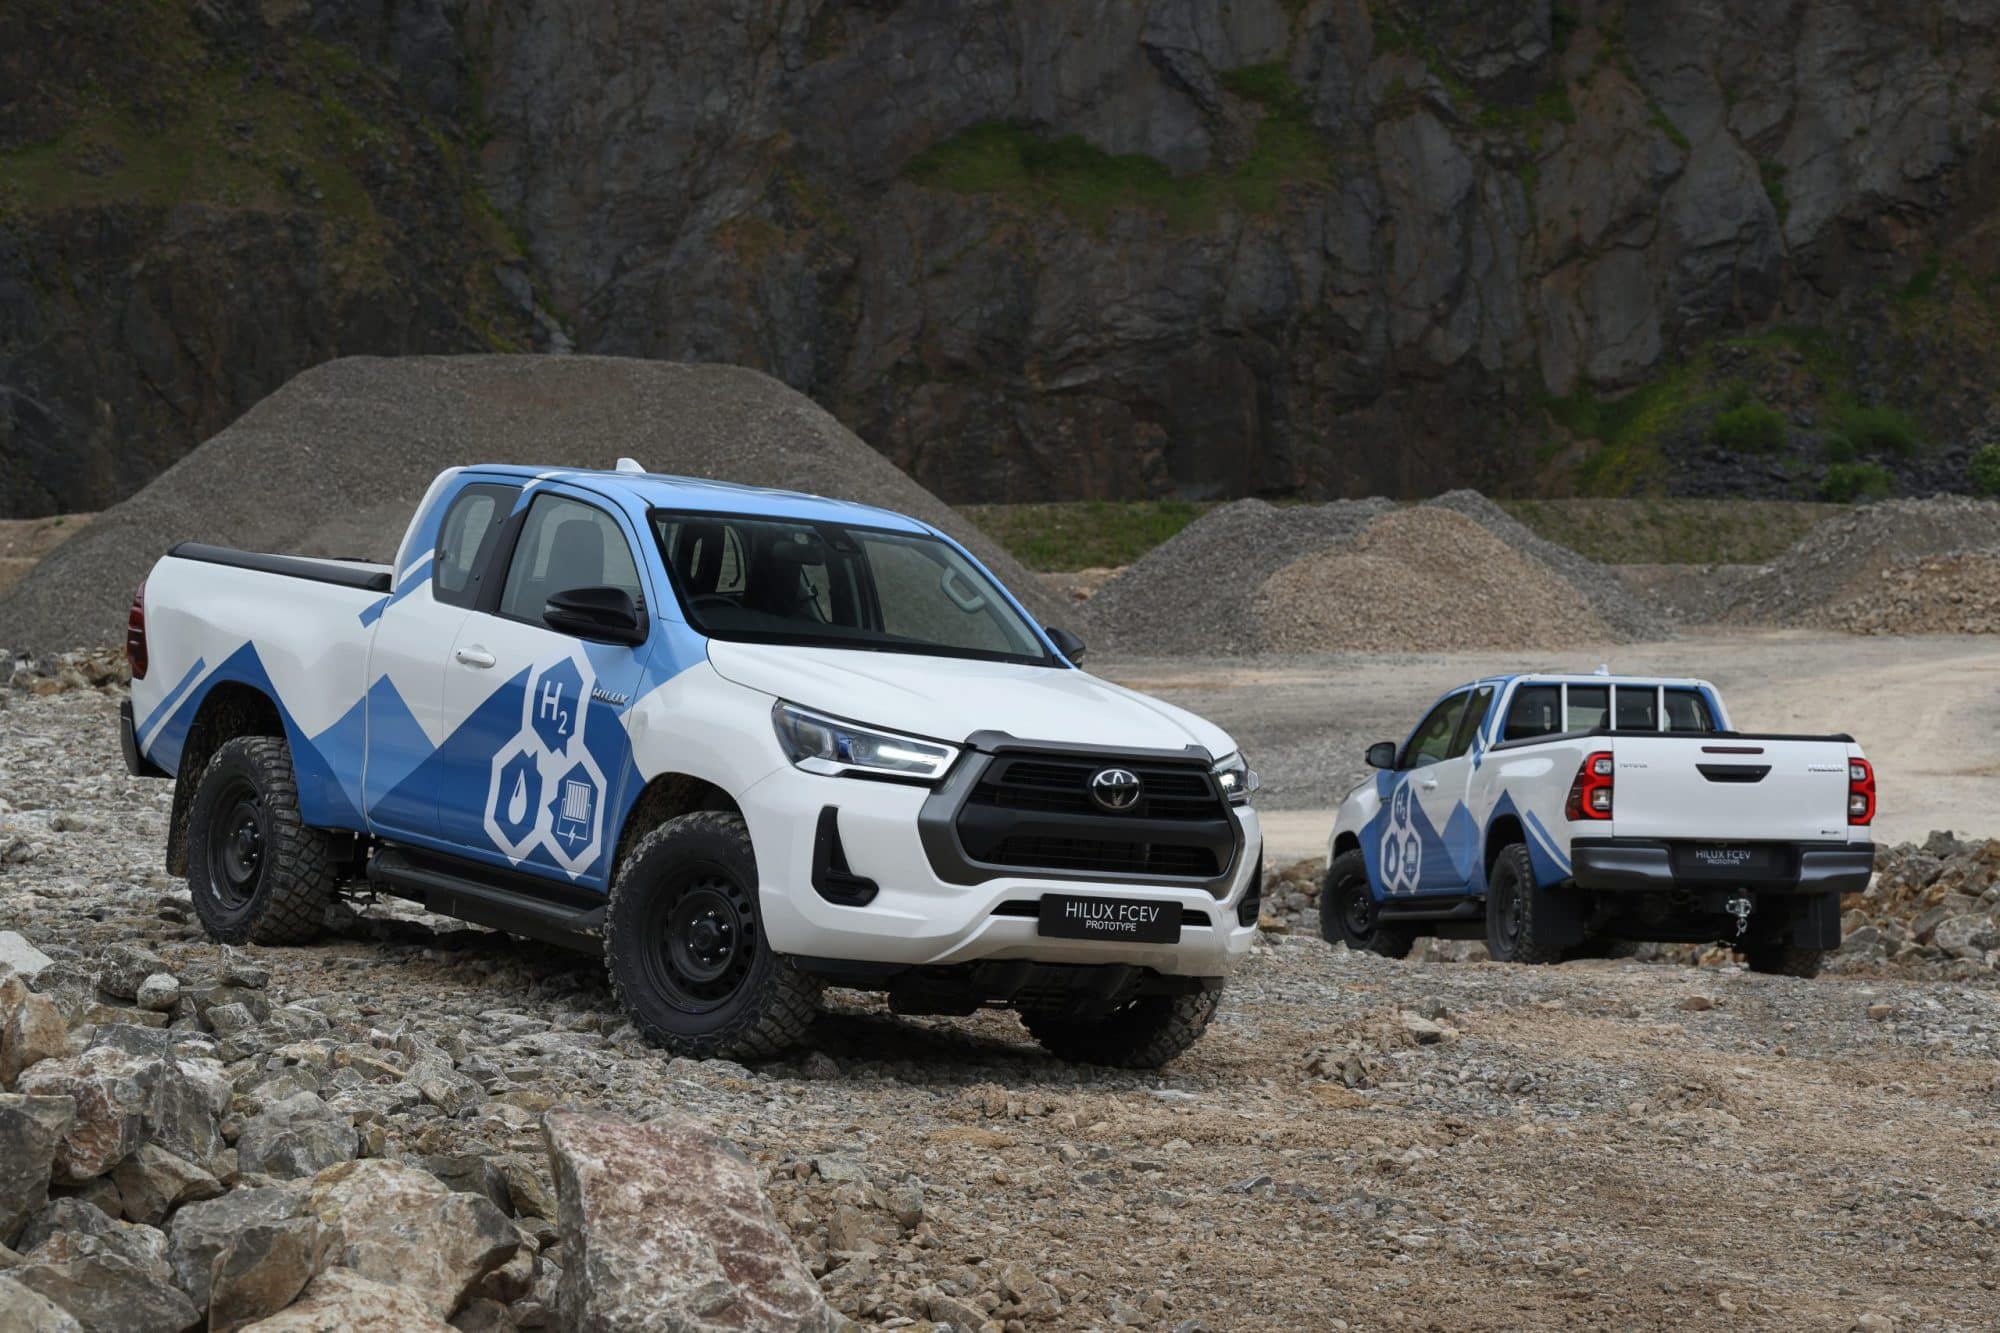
(1639, 865)
(917, 918)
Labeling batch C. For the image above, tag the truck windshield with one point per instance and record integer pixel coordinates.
(832, 585)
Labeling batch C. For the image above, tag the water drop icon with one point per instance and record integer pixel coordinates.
(517, 804)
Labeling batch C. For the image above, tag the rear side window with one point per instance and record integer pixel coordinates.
(1536, 711)
(1589, 705)
(1688, 711)
(465, 537)
(1637, 708)
(1468, 727)
(566, 544)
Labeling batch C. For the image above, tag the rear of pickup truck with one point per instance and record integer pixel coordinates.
(1751, 837)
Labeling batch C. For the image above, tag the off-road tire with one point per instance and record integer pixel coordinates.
(1348, 911)
(1518, 911)
(1782, 958)
(759, 1004)
(244, 819)
(1141, 1034)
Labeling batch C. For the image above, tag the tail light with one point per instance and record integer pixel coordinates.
(135, 634)
(1860, 792)
(1590, 793)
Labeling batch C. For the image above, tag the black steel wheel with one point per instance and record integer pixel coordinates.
(256, 872)
(1349, 914)
(685, 945)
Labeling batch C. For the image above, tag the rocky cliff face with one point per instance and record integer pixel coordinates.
(1124, 247)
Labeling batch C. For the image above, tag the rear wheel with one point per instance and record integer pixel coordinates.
(256, 872)
(1349, 914)
(1141, 1034)
(684, 943)
(1519, 912)
(1783, 958)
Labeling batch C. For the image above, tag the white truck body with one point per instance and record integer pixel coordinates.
(447, 734)
(1700, 823)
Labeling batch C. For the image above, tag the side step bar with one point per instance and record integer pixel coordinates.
(1459, 909)
(517, 909)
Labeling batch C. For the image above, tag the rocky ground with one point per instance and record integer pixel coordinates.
(1358, 1143)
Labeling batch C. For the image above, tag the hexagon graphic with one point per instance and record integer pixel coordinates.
(1402, 853)
(555, 706)
(575, 811)
(514, 801)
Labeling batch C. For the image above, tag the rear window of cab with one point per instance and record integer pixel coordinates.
(1551, 709)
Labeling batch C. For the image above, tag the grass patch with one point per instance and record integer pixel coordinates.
(1922, 282)
(1627, 428)
(1856, 483)
(1083, 534)
(1773, 175)
(1749, 428)
(1027, 166)
(1880, 430)
(1985, 470)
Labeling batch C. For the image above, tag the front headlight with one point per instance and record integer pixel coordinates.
(1236, 778)
(821, 744)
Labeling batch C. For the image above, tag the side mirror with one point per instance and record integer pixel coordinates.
(1066, 643)
(1382, 754)
(602, 615)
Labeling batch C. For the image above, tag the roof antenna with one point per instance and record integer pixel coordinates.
(1603, 669)
(630, 465)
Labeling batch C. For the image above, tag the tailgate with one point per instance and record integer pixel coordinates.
(1739, 788)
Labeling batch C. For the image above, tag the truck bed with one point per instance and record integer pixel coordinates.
(341, 573)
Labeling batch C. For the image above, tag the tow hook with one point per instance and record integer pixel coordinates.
(1739, 907)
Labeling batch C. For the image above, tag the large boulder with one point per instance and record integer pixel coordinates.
(402, 1225)
(33, 1032)
(664, 1225)
(341, 1300)
(294, 1137)
(201, 1232)
(152, 1182)
(31, 1132)
(111, 1276)
(25, 1310)
(125, 1097)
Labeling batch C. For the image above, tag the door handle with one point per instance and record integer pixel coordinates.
(474, 657)
(1428, 784)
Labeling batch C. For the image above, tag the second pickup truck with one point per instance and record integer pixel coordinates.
(1557, 815)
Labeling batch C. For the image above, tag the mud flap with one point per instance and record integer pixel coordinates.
(1562, 918)
(1816, 921)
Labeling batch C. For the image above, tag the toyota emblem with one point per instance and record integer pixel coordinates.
(1116, 789)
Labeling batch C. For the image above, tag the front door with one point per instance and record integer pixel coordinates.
(543, 754)
(1429, 842)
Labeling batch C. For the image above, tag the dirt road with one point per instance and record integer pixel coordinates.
(1926, 709)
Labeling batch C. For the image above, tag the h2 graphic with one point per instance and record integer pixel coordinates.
(546, 790)
(1402, 851)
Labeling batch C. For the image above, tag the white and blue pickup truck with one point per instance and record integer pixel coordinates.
(1557, 814)
(744, 742)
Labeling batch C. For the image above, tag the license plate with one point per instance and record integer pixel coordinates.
(1135, 921)
(1728, 861)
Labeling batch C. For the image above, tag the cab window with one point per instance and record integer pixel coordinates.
(1636, 708)
(1468, 727)
(1687, 710)
(464, 538)
(1589, 707)
(566, 544)
(1535, 711)
(1431, 743)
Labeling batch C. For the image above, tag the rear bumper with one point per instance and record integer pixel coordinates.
(1639, 865)
(128, 741)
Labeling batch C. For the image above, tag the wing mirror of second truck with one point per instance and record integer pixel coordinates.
(1382, 754)
(602, 615)
(1066, 643)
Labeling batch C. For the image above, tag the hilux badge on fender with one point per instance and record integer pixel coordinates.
(1115, 788)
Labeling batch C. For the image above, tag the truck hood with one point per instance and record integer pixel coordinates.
(950, 698)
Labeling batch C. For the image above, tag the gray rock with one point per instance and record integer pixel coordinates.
(111, 1276)
(31, 1131)
(112, 1090)
(23, 958)
(402, 1225)
(665, 1225)
(35, 1031)
(152, 1182)
(123, 968)
(24, 1310)
(200, 1232)
(159, 992)
(262, 1268)
(298, 1136)
(340, 1300)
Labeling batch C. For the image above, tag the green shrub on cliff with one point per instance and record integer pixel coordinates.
(1751, 428)
(1985, 471)
(1848, 483)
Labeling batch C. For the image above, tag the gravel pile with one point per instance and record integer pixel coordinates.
(334, 462)
(1630, 616)
(1954, 593)
(1242, 579)
(1844, 558)
(1417, 580)
(1193, 592)
(944, 1173)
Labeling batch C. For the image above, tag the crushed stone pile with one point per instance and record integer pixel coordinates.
(1421, 579)
(1844, 558)
(334, 462)
(1361, 576)
(1192, 593)
(1957, 592)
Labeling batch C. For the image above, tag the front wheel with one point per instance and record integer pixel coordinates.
(1349, 914)
(684, 943)
(256, 872)
(1141, 1034)
(1520, 913)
